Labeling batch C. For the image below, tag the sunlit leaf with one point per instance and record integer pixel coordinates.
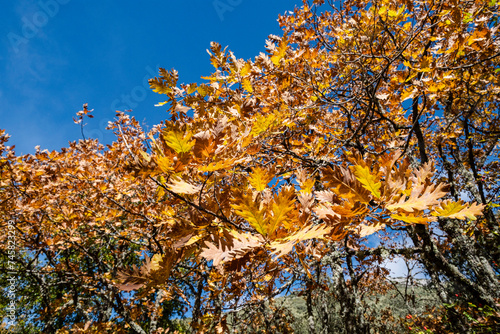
(179, 142)
(458, 210)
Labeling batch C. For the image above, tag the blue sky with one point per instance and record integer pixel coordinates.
(56, 55)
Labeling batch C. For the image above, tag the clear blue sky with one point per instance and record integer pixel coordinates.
(56, 55)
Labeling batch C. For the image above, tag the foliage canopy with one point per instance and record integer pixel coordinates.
(364, 118)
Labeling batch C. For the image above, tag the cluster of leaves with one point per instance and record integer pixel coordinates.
(437, 319)
(369, 117)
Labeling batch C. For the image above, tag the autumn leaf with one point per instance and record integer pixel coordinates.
(219, 165)
(131, 280)
(155, 262)
(136, 278)
(164, 163)
(365, 230)
(368, 180)
(221, 252)
(310, 232)
(262, 124)
(247, 85)
(245, 207)
(245, 70)
(421, 198)
(280, 248)
(280, 53)
(411, 218)
(344, 184)
(285, 246)
(306, 201)
(260, 177)
(178, 142)
(324, 196)
(325, 211)
(159, 86)
(180, 186)
(458, 210)
(306, 183)
(145, 156)
(215, 253)
(282, 205)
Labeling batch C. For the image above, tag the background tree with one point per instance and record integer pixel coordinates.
(364, 117)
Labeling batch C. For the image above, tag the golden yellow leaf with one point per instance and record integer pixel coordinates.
(246, 69)
(411, 218)
(159, 86)
(164, 163)
(245, 207)
(280, 53)
(247, 85)
(260, 177)
(214, 166)
(458, 210)
(155, 262)
(368, 180)
(178, 142)
(282, 204)
(262, 123)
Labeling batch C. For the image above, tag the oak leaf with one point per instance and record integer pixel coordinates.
(344, 184)
(245, 206)
(368, 180)
(285, 246)
(260, 177)
(282, 205)
(220, 252)
(411, 218)
(310, 232)
(458, 210)
(178, 142)
(366, 230)
(180, 186)
(421, 198)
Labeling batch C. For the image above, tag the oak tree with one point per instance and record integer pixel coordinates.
(366, 122)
